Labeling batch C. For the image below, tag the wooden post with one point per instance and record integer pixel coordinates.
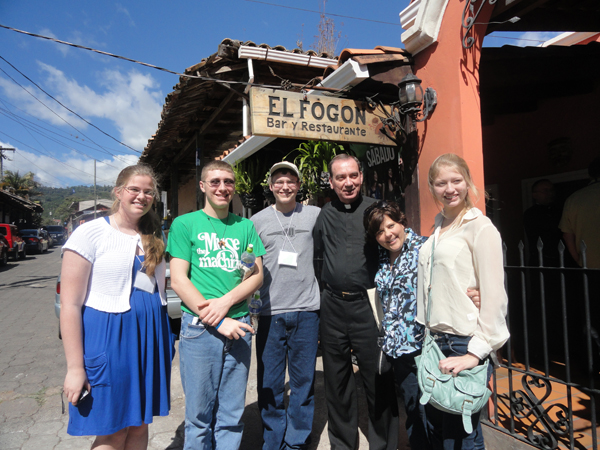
(174, 192)
(199, 165)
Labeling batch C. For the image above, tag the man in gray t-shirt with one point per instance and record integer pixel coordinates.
(289, 321)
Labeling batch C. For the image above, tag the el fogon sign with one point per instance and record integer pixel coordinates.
(294, 115)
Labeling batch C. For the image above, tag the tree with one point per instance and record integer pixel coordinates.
(327, 39)
(24, 186)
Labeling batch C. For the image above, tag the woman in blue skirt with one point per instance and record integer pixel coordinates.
(114, 323)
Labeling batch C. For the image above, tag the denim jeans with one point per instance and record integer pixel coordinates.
(446, 430)
(405, 372)
(293, 337)
(214, 374)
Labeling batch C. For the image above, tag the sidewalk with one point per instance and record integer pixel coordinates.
(166, 433)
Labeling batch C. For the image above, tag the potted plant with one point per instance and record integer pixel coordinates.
(248, 176)
(312, 158)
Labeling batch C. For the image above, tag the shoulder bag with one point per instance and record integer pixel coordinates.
(463, 394)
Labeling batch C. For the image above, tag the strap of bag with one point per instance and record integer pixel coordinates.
(427, 330)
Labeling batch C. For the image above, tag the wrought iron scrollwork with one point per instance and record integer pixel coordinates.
(526, 405)
(469, 17)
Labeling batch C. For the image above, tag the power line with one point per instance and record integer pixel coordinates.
(34, 127)
(51, 157)
(59, 133)
(67, 108)
(327, 14)
(196, 77)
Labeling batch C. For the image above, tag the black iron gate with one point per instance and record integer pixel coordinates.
(546, 388)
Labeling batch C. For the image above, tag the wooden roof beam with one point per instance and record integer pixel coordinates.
(216, 115)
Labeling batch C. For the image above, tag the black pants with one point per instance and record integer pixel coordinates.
(349, 325)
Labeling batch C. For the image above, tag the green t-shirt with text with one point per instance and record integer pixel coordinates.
(195, 238)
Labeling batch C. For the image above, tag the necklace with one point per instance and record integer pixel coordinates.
(140, 247)
(117, 225)
(222, 240)
(286, 233)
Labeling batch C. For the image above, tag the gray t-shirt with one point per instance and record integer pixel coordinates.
(286, 288)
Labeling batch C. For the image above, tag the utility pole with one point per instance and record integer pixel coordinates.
(2, 158)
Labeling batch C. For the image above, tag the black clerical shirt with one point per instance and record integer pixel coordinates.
(349, 262)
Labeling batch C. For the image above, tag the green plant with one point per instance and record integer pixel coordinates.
(312, 158)
(249, 173)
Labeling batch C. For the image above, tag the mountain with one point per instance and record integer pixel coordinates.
(56, 201)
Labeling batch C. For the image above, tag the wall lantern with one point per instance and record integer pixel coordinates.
(411, 98)
(400, 116)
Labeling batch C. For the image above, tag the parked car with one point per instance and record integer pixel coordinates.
(35, 240)
(48, 238)
(3, 250)
(173, 305)
(16, 245)
(57, 232)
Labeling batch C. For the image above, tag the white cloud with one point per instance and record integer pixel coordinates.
(75, 37)
(121, 9)
(132, 101)
(71, 171)
(62, 48)
(534, 38)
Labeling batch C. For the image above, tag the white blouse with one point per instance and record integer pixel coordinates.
(111, 254)
(466, 256)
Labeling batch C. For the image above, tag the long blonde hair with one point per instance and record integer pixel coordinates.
(149, 224)
(454, 162)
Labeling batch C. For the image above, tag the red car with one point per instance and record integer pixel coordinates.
(16, 246)
(3, 250)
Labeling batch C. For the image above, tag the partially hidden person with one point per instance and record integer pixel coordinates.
(396, 282)
(216, 337)
(113, 319)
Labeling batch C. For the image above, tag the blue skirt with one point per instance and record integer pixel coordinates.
(127, 358)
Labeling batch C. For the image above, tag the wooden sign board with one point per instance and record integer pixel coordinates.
(278, 113)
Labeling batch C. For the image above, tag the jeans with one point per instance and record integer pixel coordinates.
(446, 430)
(214, 374)
(291, 336)
(405, 372)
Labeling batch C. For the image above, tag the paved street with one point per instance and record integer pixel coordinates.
(32, 369)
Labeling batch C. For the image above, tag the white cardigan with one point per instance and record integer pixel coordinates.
(112, 254)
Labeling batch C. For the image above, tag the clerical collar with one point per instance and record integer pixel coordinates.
(347, 206)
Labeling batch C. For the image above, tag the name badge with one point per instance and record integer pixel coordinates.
(288, 258)
(144, 282)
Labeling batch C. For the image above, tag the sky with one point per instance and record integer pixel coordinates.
(114, 106)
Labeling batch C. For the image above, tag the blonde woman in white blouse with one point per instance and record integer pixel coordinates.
(468, 253)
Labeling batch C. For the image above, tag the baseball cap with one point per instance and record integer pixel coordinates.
(285, 165)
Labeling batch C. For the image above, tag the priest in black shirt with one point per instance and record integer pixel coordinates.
(347, 322)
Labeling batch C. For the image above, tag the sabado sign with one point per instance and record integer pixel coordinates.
(294, 115)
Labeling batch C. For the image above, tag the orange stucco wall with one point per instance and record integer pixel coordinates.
(455, 126)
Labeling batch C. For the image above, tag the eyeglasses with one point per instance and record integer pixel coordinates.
(136, 191)
(216, 182)
(279, 184)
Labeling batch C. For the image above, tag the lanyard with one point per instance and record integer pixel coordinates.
(286, 233)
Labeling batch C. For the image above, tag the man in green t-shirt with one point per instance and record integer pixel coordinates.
(215, 345)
